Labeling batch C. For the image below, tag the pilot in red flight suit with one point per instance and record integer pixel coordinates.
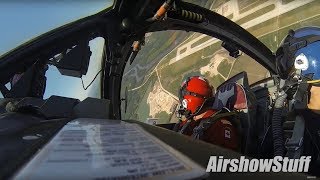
(196, 99)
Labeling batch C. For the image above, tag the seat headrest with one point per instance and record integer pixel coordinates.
(232, 96)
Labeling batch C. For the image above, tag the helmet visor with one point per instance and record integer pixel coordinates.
(309, 59)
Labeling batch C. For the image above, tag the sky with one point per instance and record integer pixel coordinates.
(21, 21)
(71, 86)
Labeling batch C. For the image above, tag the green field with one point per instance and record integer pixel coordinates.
(200, 41)
(163, 117)
(256, 14)
(137, 107)
(143, 109)
(172, 76)
(307, 15)
(224, 67)
(246, 5)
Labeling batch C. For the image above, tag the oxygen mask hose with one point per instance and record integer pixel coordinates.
(277, 130)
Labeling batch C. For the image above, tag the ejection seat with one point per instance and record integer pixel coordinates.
(235, 95)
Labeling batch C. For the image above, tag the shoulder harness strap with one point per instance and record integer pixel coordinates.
(294, 144)
(206, 123)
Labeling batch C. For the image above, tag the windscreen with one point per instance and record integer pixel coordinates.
(151, 83)
(268, 20)
(21, 21)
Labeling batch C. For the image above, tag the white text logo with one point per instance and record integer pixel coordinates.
(277, 164)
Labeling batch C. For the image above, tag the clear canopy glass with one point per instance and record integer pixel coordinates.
(22, 21)
(268, 20)
(152, 81)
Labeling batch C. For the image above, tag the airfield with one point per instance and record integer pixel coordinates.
(167, 58)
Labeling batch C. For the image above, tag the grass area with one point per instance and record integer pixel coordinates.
(166, 60)
(174, 86)
(191, 36)
(246, 5)
(163, 117)
(215, 81)
(183, 50)
(151, 49)
(177, 80)
(204, 52)
(173, 53)
(273, 40)
(171, 80)
(156, 44)
(256, 14)
(200, 41)
(254, 70)
(208, 4)
(208, 51)
(230, 16)
(137, 100)
(193, 60)
(224, 67)
(143, 108)
(217, 3)
(191, 73)
(291, 17)
(287, 1)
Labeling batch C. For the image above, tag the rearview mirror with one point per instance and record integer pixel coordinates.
(75, 62)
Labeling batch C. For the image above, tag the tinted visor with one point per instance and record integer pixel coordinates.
(312, 53)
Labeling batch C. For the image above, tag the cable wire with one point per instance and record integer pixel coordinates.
(85, 88)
